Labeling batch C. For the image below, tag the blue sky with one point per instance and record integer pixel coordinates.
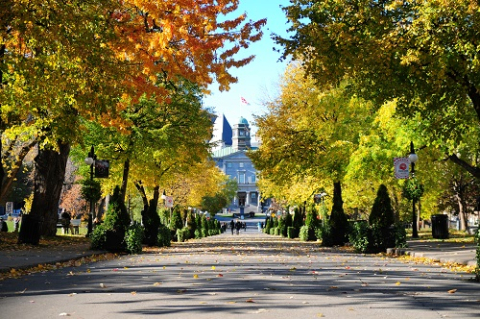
(259, 76)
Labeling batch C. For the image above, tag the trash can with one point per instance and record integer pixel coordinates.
(440, 226)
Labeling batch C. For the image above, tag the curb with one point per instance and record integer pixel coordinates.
(466, 257)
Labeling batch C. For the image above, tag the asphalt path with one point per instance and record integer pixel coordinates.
(250, 275)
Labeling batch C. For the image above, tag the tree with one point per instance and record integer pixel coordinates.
(222, 198)
(309, 135)
(421, 53)
(59, 72)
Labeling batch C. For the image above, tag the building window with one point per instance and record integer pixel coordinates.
(229, 165)
(253, 195)
(240, 164)
(241, 178)
(252, 178)
(241, 133)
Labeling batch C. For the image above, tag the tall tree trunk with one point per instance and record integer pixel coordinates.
(49, 175)
(462, 213)
(126, 170)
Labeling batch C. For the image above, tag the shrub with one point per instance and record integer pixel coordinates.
(164, 236)
(288, 220)
(275, 222)
(204, 232)
(117, 217)
(382, 212)
(381, 221)
(297, 218)
(111, 235)
(182, 234)
(151, 222)
(198, 233)
(277, 231)
(304, 233)
(360, 236)
(98, 238)
(336, 232)
(268, 225)
(134, 239)
(291, 232)
(176, 222)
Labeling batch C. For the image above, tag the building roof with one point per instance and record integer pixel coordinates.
(226, 151)
(242, 120)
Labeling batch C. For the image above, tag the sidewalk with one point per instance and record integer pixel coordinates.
(444, 252)
(22, 259)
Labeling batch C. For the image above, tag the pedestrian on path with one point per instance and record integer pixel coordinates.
(238, 225)
(232, 225)
(259, 226)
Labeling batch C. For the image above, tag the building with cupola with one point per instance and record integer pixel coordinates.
(229, 152)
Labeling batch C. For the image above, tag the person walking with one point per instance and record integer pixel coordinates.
(238, 225)
(232, 225)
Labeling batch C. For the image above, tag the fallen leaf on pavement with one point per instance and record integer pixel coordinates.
(452, 291)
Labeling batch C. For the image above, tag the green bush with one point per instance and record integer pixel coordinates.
(134, 239)
(277, 231)
(297, 218)
(318, 232)
(338, 223)
(183, 234)
(198, 233)
(360, 236)
(164, 236)
(111, 235)
(372, 238)
(304, 233)
(268, 225)
(288, 219)
(204, 232)
(98, 238)
(176, 222)
(117, 217)
(382, 212)
(291, 232)
(151, 222)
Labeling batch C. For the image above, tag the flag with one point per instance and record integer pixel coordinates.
(244, 101)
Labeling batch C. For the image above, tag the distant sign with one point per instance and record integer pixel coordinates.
(401, 165)
(169, 201)
(101, 168)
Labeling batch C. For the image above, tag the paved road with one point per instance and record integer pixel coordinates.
(246, 276)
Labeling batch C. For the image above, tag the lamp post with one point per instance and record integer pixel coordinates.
(413, 159)
(90, 160)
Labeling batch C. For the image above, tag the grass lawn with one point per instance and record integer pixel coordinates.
(82, 230)
(455, 236)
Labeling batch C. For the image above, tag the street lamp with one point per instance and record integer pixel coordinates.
(413, 159)
(90, 160)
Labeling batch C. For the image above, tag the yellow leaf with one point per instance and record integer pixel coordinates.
(398, 283)
(452, 291)
(195, 276)
(213, 267)
(157, 284)
(133, 292)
